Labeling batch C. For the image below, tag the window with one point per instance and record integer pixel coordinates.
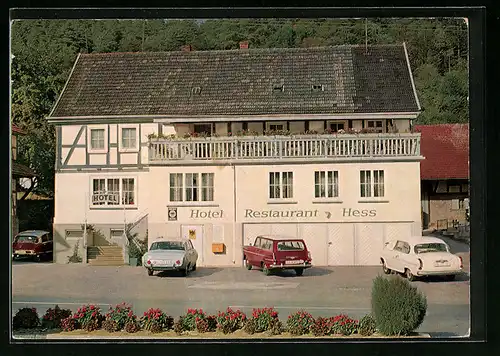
(191, 187)
(376, 125)
(369, 186)
(402, 246)
(326, 184)
(129, 137)
(207, 187)
(280, 185)
(97, 139)
(128, 191)
(203, 129)
(336, 126)
(175, 186)
(290, 246)
(113, 191)
(432, 247)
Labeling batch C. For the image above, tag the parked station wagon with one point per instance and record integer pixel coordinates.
(420, 256)
(277, 253)
(35, 244)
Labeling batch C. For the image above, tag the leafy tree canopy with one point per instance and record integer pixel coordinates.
(44, 52)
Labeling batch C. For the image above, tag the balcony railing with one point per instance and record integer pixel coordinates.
(255, 148)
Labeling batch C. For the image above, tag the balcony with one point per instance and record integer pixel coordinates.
(269, 149)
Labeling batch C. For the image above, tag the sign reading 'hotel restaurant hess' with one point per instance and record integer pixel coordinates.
(259, 214)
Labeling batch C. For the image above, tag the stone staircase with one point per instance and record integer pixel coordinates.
(105, 255)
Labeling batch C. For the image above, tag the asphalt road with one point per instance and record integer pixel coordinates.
(323, 291)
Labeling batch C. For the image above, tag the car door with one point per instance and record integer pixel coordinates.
(409, 259)
(396, 257)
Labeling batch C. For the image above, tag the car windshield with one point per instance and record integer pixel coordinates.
(434, 247)
(26, 238)
(290, 246)
(167, 245)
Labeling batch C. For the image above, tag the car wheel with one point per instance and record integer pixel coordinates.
(38, 258)
(247, 265)
(266, 270)
(385, 269)
(450, 277)
(409, 275)
(194, 267)
(150, 272)
(299, 271)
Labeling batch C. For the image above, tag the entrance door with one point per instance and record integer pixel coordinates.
(195, 234)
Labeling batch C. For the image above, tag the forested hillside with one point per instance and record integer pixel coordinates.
(44, 52)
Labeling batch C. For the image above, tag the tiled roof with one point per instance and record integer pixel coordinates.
(240, 82)
(21, 171)
(446, 151)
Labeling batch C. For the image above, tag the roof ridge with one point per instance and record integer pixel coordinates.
(271, 49)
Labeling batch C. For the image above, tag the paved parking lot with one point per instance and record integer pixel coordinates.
(321, 290)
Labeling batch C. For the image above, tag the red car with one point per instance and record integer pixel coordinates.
(277, 253)
(36, 244)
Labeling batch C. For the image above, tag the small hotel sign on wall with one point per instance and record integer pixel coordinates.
(105, 197)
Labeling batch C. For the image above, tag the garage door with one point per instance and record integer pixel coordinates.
(316, 238)
(394, 231)
(368, 244)
(340, 245)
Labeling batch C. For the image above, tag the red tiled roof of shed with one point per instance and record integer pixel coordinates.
(446, 151)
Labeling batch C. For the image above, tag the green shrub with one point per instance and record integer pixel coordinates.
(26, 318)
(70, 323)
(52, 317)
(367, 325)
(397, 306)
(299, 323)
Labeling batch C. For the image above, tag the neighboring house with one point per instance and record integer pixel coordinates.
(220, 146)
(445, 174)
(18, 171)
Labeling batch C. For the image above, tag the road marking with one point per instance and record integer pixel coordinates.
(58, 303)
(300, 307)
(243, 285)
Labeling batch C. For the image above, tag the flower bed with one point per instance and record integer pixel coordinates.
(120, 321)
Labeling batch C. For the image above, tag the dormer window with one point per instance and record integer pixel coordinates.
(196, 90)
(318, 87)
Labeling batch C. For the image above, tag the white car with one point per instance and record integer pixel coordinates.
(420, 256)
(170, 254)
